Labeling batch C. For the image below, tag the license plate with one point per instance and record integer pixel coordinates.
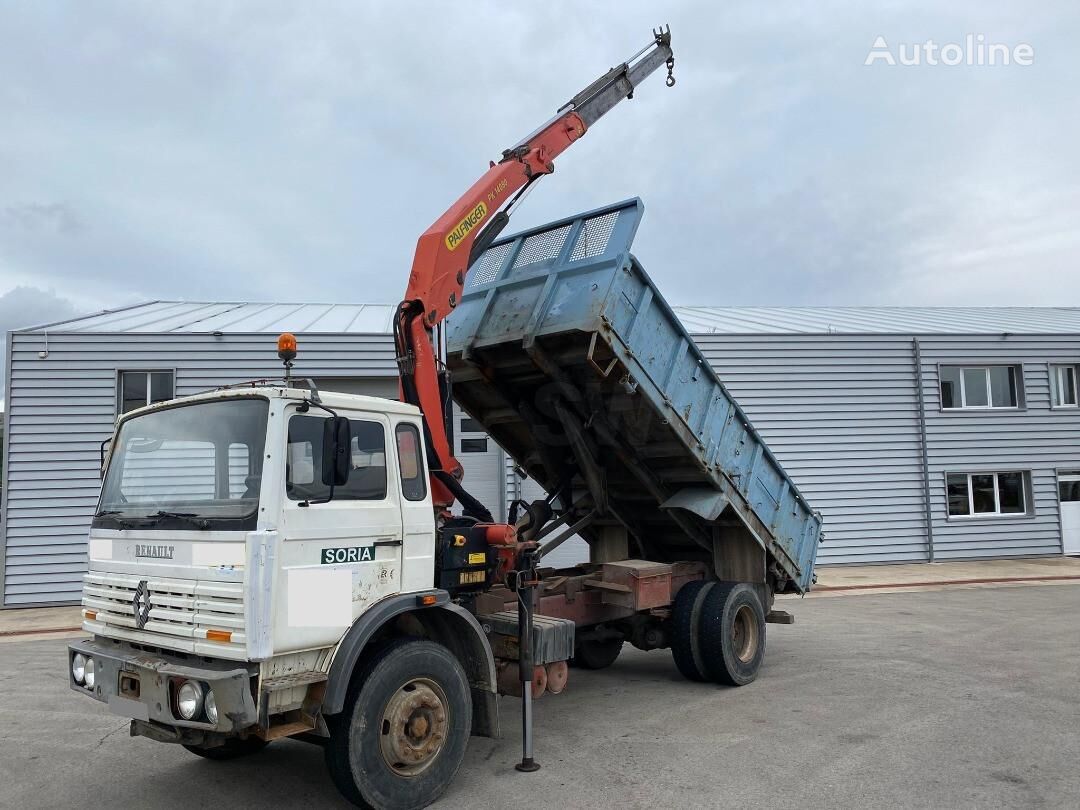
(472, 577)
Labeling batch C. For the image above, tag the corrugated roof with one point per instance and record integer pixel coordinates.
(234, 317)
(881, 320)
(239, 317)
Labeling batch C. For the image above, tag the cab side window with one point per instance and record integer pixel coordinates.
(303, 461)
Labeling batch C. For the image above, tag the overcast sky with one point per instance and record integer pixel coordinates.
(295, 151)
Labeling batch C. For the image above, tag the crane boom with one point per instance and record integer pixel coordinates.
(446, 250)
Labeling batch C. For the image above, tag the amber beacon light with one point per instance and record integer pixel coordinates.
(286, 346)
(286, 350)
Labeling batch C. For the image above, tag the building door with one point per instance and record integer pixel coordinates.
(482, 461)
(1069, 497)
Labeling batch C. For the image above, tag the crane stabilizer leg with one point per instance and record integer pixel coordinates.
(526, 595)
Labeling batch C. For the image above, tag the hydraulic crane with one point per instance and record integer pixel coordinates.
(455, 240)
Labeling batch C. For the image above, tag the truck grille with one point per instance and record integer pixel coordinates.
(181, 611)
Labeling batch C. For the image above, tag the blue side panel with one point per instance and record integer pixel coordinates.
(574, 283)
(552, 278)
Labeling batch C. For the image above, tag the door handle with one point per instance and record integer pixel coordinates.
(387, 541)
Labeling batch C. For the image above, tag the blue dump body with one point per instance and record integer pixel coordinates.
(569, 356)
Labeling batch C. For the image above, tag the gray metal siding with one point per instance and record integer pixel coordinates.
(61, 407)
(1035, 439)
(840, 412)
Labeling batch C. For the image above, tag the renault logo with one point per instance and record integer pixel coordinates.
(140, 604)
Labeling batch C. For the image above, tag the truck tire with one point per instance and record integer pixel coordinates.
(597, 654)
(233, 748)
(732, 633)
(685, 618)
(401, 737)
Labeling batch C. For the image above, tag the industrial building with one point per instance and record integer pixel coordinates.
(920, 434)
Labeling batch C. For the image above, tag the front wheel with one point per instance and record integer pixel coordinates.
(402, 735)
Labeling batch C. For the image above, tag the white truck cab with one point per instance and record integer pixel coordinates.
(248, 545)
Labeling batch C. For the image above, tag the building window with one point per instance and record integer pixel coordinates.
(1063, 386)
(979, 387)
(137, 389)
(1069, 490)
(474, 445)
(986, 494)
(470, 425)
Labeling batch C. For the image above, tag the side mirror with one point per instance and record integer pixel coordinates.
(336, 451)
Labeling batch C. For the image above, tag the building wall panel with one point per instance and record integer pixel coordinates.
(1035, 439)
(840, 412)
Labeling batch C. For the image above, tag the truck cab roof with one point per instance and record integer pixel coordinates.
(330, 399)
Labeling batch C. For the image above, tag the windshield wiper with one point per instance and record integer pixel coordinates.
(112, 513)
(190, 517)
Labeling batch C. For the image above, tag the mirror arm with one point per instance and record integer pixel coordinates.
(307, 404)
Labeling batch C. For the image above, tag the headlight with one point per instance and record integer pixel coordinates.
(211, 706)
(189, 700)
(78, 668)
(88, 673)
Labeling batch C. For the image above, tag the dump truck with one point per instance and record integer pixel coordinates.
(268, 560)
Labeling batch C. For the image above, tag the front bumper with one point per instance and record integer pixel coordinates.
(142, 685)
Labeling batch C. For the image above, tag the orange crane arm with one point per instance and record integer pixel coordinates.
(455, 240)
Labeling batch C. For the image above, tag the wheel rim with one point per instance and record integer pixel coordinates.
(744, 634)
(415, 723)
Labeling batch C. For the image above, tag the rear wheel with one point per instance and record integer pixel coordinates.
(732, 633)
(401, 737)
(233, 748)
(597, 654)
(685, 618)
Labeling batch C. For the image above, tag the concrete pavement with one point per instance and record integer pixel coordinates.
(959, 698)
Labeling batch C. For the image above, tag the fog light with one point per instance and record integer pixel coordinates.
(78, 668)
(211, 706)
(189, 700)
(88, 673)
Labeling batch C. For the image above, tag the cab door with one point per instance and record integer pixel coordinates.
(417, 513)
(341, 549)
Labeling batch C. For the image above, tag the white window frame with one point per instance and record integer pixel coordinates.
(147, 372)
(1018, 377)
(1057, 371)
(997, 513)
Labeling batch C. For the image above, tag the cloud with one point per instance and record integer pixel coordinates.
(283, 151)
(54, 218)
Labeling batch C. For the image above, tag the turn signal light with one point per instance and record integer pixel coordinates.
(219, 635)
(428, 599)
(89, 614)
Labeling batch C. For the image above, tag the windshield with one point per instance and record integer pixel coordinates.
(195, 466)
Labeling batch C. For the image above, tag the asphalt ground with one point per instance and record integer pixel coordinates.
(941, 698)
